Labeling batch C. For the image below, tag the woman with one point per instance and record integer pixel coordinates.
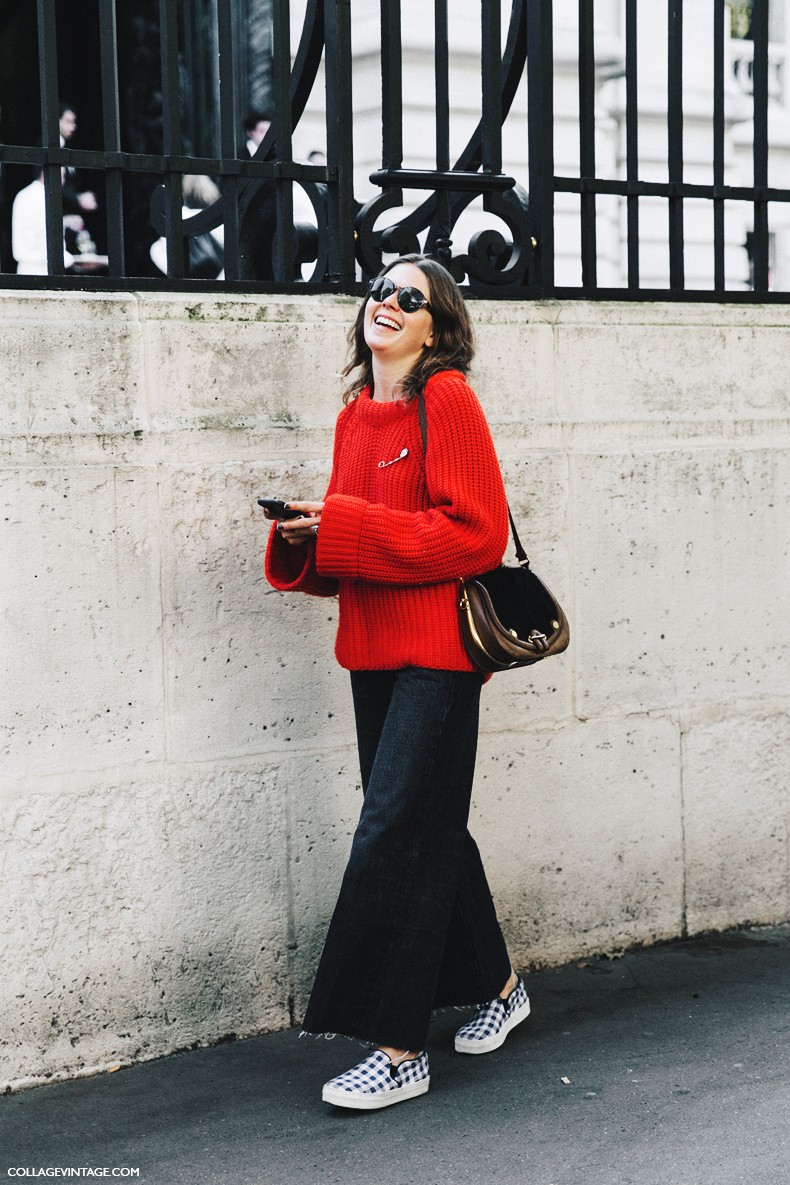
(414, 927)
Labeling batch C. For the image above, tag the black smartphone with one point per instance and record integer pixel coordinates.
(278, 509)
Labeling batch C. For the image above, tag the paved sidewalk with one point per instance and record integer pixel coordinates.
(678, 1061)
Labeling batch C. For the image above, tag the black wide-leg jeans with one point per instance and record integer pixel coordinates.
(414, 927)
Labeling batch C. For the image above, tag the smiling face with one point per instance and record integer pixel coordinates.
(394, 337)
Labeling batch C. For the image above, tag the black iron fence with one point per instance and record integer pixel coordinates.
(512, 251)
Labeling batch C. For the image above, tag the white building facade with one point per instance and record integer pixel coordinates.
(652, 60)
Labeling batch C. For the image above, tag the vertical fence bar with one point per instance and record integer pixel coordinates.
(632, 141)
(284, 239)
(719, 49)
(442, 83)
(339, 144)
(50, 134)
(587, 141)
(675, 139)
(227, 132)
(391, 86)
(540, 98)
(111, 119)
(171, 136)
(191, 67)
(760, 259)
(491, 71)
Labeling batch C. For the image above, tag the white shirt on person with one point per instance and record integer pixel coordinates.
(29, 231)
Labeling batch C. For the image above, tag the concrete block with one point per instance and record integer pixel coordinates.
(519, 402)
(154, 914)
(70, 364)
(82, 668)
(682, 568)
(228, 364)
(250, 670)
(660, 362)
(737, 813)
(580, 832)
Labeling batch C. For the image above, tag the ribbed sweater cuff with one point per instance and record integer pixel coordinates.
(286, 566)
(337, 553)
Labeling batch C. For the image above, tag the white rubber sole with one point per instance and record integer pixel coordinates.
(373, 1102)
(488, 1044)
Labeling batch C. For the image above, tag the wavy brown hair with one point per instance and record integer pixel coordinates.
(454, 339)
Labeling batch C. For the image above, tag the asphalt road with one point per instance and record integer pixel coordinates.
(677, 1060)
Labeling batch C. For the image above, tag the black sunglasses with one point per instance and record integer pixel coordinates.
(411, 300)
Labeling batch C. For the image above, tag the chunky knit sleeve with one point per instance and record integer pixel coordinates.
(293, 569)
(465, 530)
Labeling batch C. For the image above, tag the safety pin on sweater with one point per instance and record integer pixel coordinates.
(403, 453)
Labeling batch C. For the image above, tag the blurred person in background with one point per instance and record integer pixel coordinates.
(29, 229)
(74, 200)
(207, 250)
(256, 125)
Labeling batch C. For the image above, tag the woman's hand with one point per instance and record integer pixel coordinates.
(299, 531)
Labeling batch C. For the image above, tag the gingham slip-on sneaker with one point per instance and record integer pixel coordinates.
(492, 1022)
(376, 1082)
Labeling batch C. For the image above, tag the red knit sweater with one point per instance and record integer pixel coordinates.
(395, 538)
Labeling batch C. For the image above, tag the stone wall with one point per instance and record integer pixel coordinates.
(179, 784)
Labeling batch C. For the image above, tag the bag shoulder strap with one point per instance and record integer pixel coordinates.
(521, 555)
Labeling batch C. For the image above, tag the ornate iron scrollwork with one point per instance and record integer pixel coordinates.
(494, 258)
(491, 262)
